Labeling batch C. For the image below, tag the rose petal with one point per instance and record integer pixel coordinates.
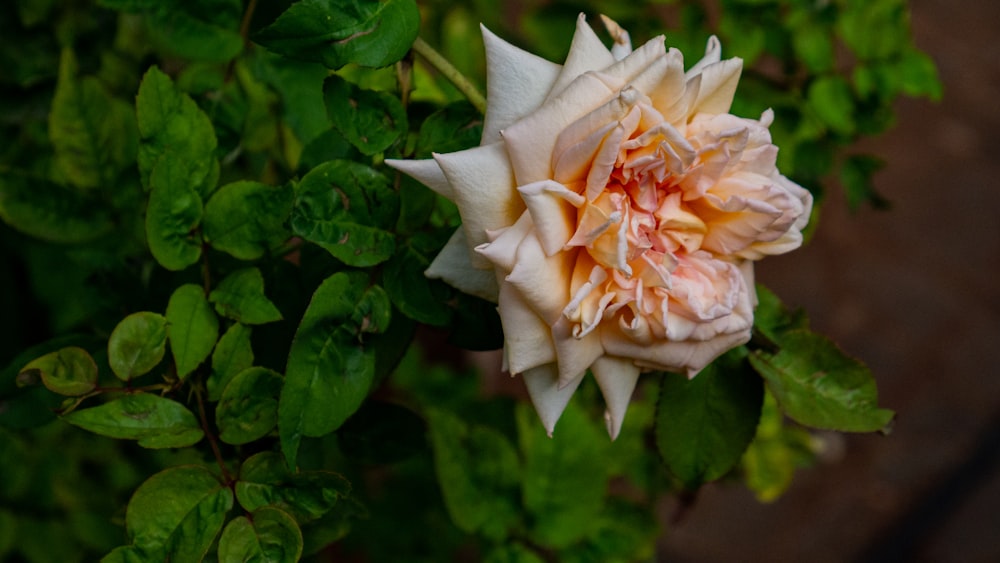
(534, 135)
(617, 378)
(516, 83)
(626, 70)
(553, 210)
(454, 266)
(713, 54)
(717, 87)
(543, 281)
(586, 53)
(502, 248)
(623, 43)
(574, 354)
(427, 172)
(549, 398)
(484, 192)
(527, 339)
(688, 357)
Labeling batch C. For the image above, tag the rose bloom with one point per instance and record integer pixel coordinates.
(613, 211)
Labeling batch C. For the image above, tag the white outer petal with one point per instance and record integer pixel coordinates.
(713, 54)
(484, 191)
(516, 84)
(427, 172)
(553, 210)
(453, 265)
(527, 339)
(586, 53)
(617, 378)
(549, 398)
(718, 86)
(530, 142)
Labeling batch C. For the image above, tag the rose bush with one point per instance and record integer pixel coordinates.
(613, 211)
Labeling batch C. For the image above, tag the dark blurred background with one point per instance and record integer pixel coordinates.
(914, 292)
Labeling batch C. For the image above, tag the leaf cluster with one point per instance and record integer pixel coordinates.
(219, 341)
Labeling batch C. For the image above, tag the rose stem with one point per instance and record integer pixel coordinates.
(451, 73)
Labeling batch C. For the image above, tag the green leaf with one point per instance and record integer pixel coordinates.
(307, 495)
(176, 514)
(874, 30)
(772, 318)
(704, 424)
(246, 219)
(192, 328)
(477, 469)
(69, 371)
(813, 44)
(347, 208)
(565, 477)
(817, 385)
(94, 134)
(240, 296)
(300, 87)
(918, 76)
(206, 30)
(50, 212)
(248, 409)
(330, 369)
(137, 344)
(173, 215)
(856, 177)
(232, 355)
(156, 422)
(372, 121)
(171, 125)
(272, 536)
(455, 127)
(337, 32)
(830, 97)
(414, 294)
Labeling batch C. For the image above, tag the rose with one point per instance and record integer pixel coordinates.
(613, 211)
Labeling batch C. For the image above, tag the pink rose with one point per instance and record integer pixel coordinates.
(613, 212)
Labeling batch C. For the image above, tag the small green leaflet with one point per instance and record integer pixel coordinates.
(337, 32)
(240, 296)
(704, 424)
(306, 495)
(176, 514)
(272, 536)
(137, 344)
(69, 371)
(478, 471)
(330, 368)
(232, 355)
(348, 209)
(247, 219)
(93, 133)
(372, 121)
(173, 127)
(248, 409)
(173, 215)
(817, 385)
(192, 328)
(156, 422)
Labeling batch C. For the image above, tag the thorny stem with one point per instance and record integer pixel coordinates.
(449, 71)
(247, 16)
(211, 437)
